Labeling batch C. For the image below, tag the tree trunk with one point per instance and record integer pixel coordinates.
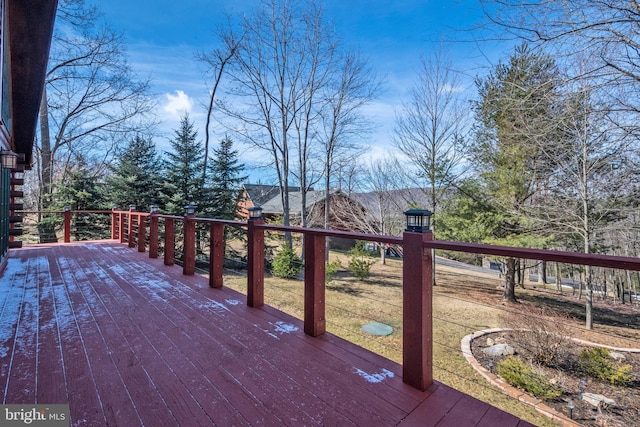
(510, 281)
(558, 277)
(542, 272)
(46, 159)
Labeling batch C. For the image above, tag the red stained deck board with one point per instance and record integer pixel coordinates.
(125, 366)
(321, 379)
(432, 411)
(22, 382)
(197, 335)
(494, 417)
(265, 374)
(128, 340)
(178, 379)
(50, 373)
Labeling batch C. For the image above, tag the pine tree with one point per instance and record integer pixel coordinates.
(82, 190)
(136, 178)
(226, 181)
(183, 171)
(515, 120)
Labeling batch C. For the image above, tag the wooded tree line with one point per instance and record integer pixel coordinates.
(542, 154)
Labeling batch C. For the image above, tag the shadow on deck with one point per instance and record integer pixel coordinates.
(128, 341)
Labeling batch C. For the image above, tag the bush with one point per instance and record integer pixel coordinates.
(331, 269)
(542, 336)
(359, 264)
(286, 263)
(516, 373)
(597, 363)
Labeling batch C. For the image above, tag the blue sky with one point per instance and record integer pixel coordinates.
(164, 35)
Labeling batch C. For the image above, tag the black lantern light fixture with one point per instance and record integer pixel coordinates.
(132, 207)
(418, 220)
(153, 209)
(9, 159)
(190, 210)
(114, 207)
(255, 212)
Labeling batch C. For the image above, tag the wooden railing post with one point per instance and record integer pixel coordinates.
(189, 254)
(169, 241)
(216, 256)
(121, 227)
(67, 224)
(255, 263)
(153, 234)
(417, 321)
(314, 285)
(142, 233)
(114, 223)
(132, 242)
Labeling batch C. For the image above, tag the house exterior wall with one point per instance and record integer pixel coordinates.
(5, 143)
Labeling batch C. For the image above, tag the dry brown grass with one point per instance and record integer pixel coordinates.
(464, 302)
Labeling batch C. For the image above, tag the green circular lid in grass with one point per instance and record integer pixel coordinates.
(376, 328)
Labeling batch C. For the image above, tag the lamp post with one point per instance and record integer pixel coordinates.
(9, 159)
(418, 220)
(571, 406)
(255, 212)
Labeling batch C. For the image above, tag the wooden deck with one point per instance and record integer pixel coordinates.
(128, 341)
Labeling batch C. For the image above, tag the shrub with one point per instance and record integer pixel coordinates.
(540, 334)
(286, 263)
(516, 373)
(331, 269)
(359, 264)
(597, 363)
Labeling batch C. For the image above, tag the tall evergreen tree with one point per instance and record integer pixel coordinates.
(183, 171)
(136, 177)
(515, 120)
(226, 180)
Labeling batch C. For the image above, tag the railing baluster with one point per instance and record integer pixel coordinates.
(216, 256)
(314, 285)
(417, 320)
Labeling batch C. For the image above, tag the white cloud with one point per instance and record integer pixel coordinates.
(178, 104)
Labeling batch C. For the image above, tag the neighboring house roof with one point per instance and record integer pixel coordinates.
(274, 205)
(260, 194)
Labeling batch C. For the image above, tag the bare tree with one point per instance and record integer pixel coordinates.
(274, 79)
(429, 128)
(342, 121)
(608, 32)
(91, 99)
(381, 199)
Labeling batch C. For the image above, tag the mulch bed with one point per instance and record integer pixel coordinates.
(567, 375)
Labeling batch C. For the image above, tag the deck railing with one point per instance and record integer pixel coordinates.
(167, 234)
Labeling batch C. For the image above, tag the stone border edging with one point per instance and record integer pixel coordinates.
(465, 346)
